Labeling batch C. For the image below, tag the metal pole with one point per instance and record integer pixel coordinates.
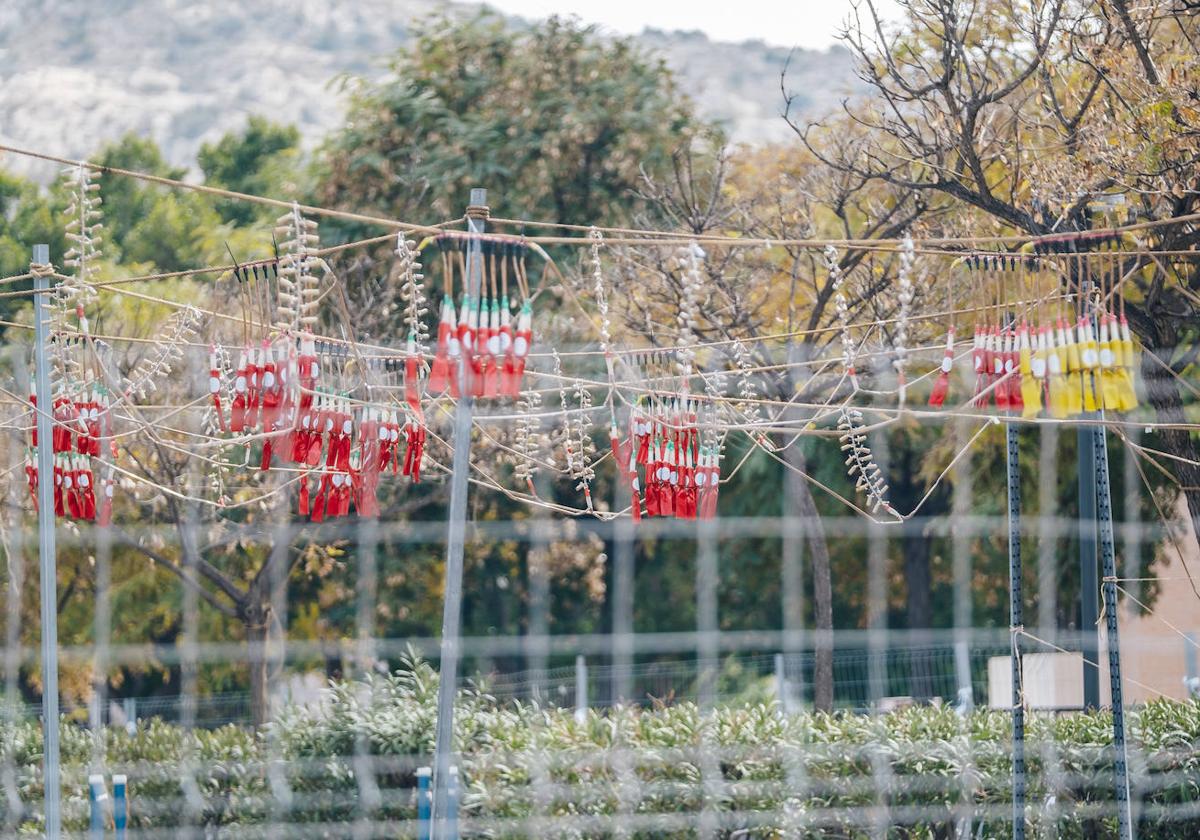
(622, 599)
(708, 649)
(1089, 587)
(453, 795)
(1016, 619)
(1108, 561)
(781, 686)
(47, 555)
(581, 692)
(452, 607)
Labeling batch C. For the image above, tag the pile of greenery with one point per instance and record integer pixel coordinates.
(750, 770)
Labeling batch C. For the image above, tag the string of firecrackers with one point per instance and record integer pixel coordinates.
(492, 340)
(904, 296)
(664, 460)
(859, 460)
(576, 434)
(841, 309)
(79, 402)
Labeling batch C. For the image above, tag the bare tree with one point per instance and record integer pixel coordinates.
(1023, 114)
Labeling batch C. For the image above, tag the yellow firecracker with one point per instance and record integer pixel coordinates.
(1109, 391)
(1056, 386)
(1033, 375)
(1073, 370)
(1129, 366)
(1090, 359)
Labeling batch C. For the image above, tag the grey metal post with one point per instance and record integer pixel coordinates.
(1108, 562)
(962, 674)
(581, 688)
(877, 618)
(452, 607)
(1016, 619)
(1089, 587)
(622, 599)
(47, 555)
(1191, 681)
(708, 649)
(781, 686)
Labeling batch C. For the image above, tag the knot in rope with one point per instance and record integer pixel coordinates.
(41, 269)
(478, 211)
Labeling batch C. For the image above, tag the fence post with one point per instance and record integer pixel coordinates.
(1109, 568)
(120, 805)
(1016, 620)
(1191, 681)
(460, 467)
(130, 706)
(581, 688)
(47, 555)
(423, 804)
(452, 812)
(97, 793)
(962, 673)
(781, 686)
(1089, 587)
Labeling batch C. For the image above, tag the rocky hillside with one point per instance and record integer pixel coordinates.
(75, 73)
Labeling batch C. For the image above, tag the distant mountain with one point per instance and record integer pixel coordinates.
(76, 74)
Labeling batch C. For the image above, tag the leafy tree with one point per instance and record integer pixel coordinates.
(260, 160)
(26, 219)
(146, 224)
(555, 120)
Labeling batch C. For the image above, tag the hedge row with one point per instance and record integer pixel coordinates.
(665, 772)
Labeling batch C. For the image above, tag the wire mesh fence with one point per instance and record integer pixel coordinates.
(250, 672)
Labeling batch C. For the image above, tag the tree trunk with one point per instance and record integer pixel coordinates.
(919, 604)
(804, 508)
(1162, 390)
(256, 622)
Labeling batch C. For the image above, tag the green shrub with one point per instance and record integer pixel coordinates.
(748, 771)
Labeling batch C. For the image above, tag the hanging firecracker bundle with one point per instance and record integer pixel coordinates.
(81, 423)
(258, 382)
(414, 424)
(412, 290)
(681, 476)
(663, 460)
(1068, 354)
(491, 339)
(352, 444)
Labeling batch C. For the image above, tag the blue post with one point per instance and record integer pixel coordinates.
(120, 805)
(424, 803)
(97, 793)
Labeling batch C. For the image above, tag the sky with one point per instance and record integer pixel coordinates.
(785, 23)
